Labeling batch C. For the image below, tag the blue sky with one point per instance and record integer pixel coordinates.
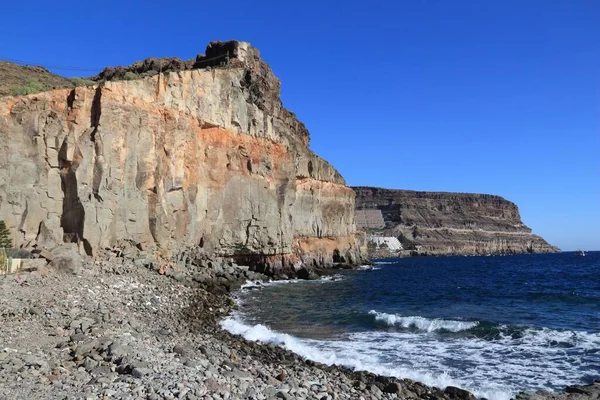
(486, 96)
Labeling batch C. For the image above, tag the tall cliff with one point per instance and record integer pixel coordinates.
(440, 223)
(202, 158)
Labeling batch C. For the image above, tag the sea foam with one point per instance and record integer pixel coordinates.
(260, 284)
(422, 323)
(357, 354)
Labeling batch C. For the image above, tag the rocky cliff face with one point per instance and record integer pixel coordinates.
(452, 223)
(206, 161)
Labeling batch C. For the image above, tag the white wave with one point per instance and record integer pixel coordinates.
(385, 262)
(368, 268)
(360, 355)
(495, 369)
(331, 278)
(546, 337)
(423, 324)
(252, 285)
(261, 284)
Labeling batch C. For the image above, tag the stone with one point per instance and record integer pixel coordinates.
(117, 350)
(101, 370)
(35, 311)
(89, 364)
(85, 348)
(141, 372)
(192, 363)
(374, 389)
(34, 361)
(78, 337)
(46, 255)
(281, 376)
(580, 390)
(66, 259)
(459, 394)
(182, 350)
(34, 264)
(393, 387)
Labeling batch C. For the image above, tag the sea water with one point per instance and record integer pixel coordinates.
(493, 325)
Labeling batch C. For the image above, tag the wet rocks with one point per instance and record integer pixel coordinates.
(458, 394)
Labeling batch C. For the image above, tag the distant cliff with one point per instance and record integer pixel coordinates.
(437, 223)
(195, 158)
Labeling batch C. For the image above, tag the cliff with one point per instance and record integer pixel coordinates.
(197, 162)
(437, 223)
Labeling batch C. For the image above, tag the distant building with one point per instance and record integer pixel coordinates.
(392, 243)
(369, 219)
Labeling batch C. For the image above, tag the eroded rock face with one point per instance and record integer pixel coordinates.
(203, 159)
(438, 223)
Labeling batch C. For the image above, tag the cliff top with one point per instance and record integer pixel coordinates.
(16, 80)
(218, 54)
(426, 194)
(263, 88)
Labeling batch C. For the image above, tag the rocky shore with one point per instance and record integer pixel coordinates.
(124, 329)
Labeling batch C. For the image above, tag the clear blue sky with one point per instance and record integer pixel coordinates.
(486, 96)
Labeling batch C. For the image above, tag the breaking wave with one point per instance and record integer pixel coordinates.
(351, 354)
(261, 284)
(423, 358)
(423, 324)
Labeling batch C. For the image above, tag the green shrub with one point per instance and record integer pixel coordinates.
(32, 86)
(129, 76)
(82, 82)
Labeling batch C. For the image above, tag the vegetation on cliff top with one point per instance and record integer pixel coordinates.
(18, 80)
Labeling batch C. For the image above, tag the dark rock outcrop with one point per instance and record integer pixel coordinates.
(438, 223)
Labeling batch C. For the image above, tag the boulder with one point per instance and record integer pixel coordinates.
(66, 258)
(459, 394)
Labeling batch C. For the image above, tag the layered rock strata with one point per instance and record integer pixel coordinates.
(437, 223)
(206, 161)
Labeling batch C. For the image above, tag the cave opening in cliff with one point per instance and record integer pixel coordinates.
(337, 258)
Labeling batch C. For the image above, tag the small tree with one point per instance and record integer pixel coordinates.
(5, 241)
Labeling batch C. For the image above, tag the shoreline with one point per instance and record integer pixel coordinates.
(119, 330)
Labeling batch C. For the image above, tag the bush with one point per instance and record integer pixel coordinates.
(82, 82)
(32, 86)
(129, 76)
(149, 73)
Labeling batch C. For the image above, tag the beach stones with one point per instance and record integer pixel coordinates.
(459, 394)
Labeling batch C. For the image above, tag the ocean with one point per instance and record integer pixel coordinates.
(493, 325)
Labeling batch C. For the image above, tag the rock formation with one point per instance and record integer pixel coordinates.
(437, 223)
(203, 160)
